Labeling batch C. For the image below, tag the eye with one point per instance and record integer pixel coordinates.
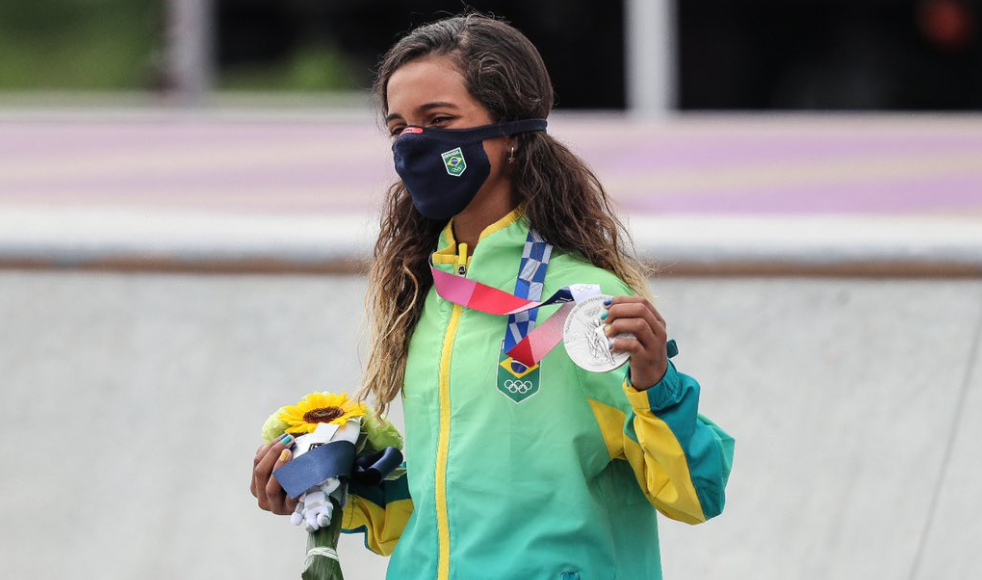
(396, 130)
(440, 120)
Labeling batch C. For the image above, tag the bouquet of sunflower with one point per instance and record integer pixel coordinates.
(337, 441)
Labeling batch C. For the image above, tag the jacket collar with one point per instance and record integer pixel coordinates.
(500, 243)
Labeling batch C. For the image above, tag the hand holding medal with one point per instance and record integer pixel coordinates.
(634, 327)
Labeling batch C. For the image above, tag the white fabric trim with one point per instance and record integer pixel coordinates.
(323, 552)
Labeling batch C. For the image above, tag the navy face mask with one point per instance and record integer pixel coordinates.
(443, 169)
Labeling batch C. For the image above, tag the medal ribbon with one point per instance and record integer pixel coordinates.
(483, 298)
(531, 276)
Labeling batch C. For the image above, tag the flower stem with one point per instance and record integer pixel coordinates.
(318, 566)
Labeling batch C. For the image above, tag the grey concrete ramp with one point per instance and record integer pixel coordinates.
(130, 407)
(842, 396)
(952, 544)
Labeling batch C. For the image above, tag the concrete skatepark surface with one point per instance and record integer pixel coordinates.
(131, 407)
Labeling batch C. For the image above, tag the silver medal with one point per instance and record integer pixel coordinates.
(586, 343)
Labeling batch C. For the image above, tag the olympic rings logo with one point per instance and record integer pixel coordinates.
(518, 387)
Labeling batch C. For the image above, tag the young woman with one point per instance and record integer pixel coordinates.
(514, 472)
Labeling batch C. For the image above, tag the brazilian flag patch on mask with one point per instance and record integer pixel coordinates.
(515, 380)
(454, 160)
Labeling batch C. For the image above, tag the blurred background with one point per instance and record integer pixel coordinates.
(909, 55)
(189, 193)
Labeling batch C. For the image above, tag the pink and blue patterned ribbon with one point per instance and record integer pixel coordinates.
(483, 298)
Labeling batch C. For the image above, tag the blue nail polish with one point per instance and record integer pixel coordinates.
(608, 301)
(286, 439)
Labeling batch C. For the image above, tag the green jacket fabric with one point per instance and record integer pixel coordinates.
(558, 486)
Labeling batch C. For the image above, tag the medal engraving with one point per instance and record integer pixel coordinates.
(585, 341)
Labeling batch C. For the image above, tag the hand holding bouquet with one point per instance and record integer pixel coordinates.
(337, 440)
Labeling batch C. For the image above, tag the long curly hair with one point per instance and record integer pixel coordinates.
(562, 197)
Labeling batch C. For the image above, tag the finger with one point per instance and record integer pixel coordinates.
(289, 504)
(639, 300)
(252, 479)
(264, 469)
(628, 345)
(274, 491)
(623, 300)
(256, 487)
(640, 328)
(657, 314)
(633, 310)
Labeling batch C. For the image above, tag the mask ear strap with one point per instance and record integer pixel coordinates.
(523, 126)
(478, 134)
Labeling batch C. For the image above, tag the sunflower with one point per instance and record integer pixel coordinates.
(318, 408)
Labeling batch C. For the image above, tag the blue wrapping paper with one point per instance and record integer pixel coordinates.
(333, 459)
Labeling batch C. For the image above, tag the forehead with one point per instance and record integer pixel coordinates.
(425, 80)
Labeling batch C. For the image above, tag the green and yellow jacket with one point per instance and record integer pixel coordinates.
(555, 484)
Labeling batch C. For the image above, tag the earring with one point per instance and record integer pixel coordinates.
(511, 155)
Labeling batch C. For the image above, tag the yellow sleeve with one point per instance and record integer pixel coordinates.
(680, 459)
(380, 512)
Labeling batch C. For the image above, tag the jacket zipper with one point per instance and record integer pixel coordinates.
(443, 444)
(462, 260)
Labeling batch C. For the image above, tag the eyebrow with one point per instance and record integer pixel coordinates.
(426, 107)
